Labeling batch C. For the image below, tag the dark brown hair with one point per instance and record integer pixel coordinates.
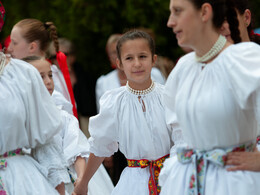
(241, 6)
(222, 10)
(133, 35)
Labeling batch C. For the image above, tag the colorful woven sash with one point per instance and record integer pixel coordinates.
(200, 160)
(154, 169)
(3, 164)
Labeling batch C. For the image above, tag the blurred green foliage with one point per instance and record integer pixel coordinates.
(88, 23)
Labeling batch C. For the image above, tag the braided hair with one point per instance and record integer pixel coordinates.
(35, 30)
(222, 10)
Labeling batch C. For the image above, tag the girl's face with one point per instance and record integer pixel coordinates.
(137, 62)
(19, 47)
(44, 68)
(185, 22)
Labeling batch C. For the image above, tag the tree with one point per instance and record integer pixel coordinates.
(88, 23)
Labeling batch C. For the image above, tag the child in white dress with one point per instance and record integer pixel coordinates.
(74, 143)
(131, 118)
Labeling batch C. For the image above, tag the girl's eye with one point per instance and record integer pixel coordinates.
(143, 56)
(128, 58)
(50, 75)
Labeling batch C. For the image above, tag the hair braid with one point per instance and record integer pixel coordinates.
(53, 34)
(233, 21)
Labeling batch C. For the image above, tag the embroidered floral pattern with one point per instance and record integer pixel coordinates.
(154, 168)
(200, 160)
(3, 164)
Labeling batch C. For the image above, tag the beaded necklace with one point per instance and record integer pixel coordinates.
(140, 92)
(214, 51)
(2, 62)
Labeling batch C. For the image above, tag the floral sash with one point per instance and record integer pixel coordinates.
(154, 168)
(3, 164)
(200, 160)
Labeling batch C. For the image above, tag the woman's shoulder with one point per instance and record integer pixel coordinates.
(112, 95)
(241, 50)
(243, 54)
(20, 70)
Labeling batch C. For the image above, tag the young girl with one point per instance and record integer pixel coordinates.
(73, 142)
(211, 99)
(131, 119)
(31, 37)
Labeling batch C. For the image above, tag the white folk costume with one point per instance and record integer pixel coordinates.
(136, 125)
(214, 110)
(74, 144)
(111, 81)
(28, 119)
(59, 82)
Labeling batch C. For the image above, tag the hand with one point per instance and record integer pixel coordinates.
(80, 188)
(78, 180)
(249, 161)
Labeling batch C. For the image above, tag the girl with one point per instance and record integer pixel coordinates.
(31, 37)
(211, 98)
(131, 119)
(73, 142)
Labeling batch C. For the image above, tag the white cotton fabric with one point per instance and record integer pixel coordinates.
(217, 107)
(74, 143)
(123, 124)
(111, 81)
(28, 119)
(61, 101)
(59, 82)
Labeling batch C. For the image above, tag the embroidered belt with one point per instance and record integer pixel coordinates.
(154, 169)
(200, 160)
(3, 164)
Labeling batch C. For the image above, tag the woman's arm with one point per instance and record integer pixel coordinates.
(93, 164)
(80, 166)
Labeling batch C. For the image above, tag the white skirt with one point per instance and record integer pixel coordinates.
(175, 177)
(23, 175)
(133, 181)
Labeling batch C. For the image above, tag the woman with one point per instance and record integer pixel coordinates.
(211, 99)
(29, 119)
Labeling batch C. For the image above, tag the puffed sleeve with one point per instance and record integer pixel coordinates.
(75, 142)
(51, 157)
(43, 117)
(103, 127)
(28, 113)
(243, 71)
(169, 98)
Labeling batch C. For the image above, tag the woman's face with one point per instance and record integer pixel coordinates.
(185, 22)
(19, 47)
